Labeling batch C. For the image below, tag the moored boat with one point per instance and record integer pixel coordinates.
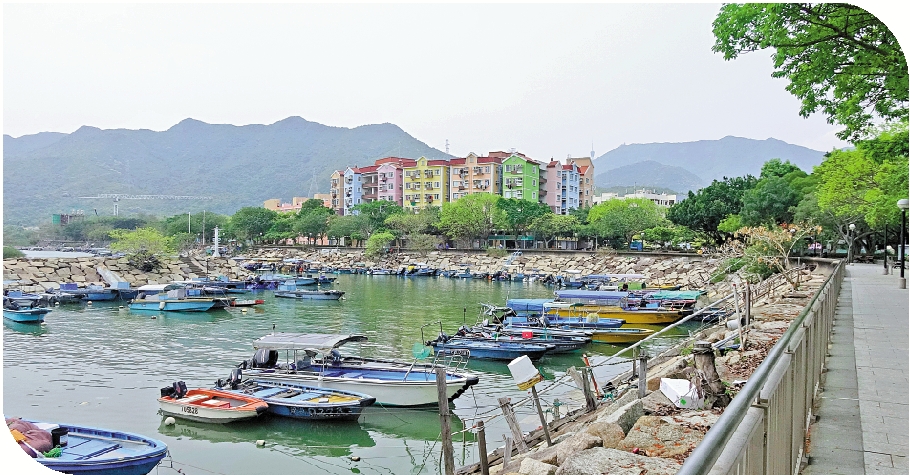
(27, 313)
(289, 290)
(172, 298)
(621, 335)
(314, 359)
(209, 405)
(94, 451)
(300, 401)
(489, 349)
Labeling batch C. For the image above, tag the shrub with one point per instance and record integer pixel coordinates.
(10, 252)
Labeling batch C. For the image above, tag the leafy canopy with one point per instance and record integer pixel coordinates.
(703, 211)
(839, 58)
(471, 217)
(622, 219)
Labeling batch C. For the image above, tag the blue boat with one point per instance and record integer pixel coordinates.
(564, 322)
(169, 298)
(489, 350)
(300, 401)
(28, 313)
(94, 451)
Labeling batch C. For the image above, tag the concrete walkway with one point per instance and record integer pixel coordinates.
(863, 406)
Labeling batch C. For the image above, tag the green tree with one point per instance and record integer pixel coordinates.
(519, 214)
(839, 58)
(771, 202)
(252, 223)
(347, 226)
(471, 217)
(551, 226)
(376, 212)
(378, 243)
(314, 223)
(703, 211)
(776, 168)
(144, 247)
(282, 228)
(621, 219)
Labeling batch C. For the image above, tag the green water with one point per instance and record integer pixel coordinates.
(102, 366)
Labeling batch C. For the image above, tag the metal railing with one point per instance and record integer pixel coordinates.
(763, 431)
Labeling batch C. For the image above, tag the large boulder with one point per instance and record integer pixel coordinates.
(530, 466)
(577, 443)
(661, 437)
(625, 416)
(600, 460)
(610, 434)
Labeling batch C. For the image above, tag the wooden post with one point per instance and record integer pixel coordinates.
(590, 403)
(507, 451)
(482, 447)
(748, 303)
(543, 420)
(703, 355)
(448, 451)
(509, 414)
(642, 374)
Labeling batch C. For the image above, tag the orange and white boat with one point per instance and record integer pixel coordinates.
(209, 405)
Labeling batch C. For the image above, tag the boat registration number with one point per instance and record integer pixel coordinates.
(190, 410)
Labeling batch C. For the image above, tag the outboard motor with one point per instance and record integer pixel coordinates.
(264, 358)
(167, 391)
(236, 376)
(336, 356)
(179, 389)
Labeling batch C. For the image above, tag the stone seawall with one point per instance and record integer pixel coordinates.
(35, 275)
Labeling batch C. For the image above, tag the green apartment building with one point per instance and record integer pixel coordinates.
(523, 178)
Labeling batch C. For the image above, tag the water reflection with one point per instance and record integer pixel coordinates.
(37, 329)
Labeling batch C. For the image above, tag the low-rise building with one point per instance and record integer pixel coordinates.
(475, 174)
(336, 192)
(562, 187)
(660, 199)
(275, 204)
(523, 178)
(426, 184)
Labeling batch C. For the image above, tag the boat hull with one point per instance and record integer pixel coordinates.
(645, 316)
(26, 316)
(174, 305)
(621, 335)
(137, 454)
(311, 294)
(419, 391)
(240, 408)
(493, 351)
(310, 402)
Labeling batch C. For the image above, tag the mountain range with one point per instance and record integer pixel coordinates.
(237, 166)
(692, 165)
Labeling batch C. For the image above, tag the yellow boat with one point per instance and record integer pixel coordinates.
(630, 315)
(621, 335)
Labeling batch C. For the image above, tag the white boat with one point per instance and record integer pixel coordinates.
(314, 359)
(209, 405)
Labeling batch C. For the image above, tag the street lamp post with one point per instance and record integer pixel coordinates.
(850, 235)
(903, 204)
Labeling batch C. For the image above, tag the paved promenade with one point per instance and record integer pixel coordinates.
(863, 411)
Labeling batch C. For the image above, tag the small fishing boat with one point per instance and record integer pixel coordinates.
(209, 405)
(588, 322)
(93, 451)
(559, 344)
(314, 359)
(300, 401)
(246, 302)
(172, 298)
(23, 313)
(489, 350)
(289, 290)
(621, 335)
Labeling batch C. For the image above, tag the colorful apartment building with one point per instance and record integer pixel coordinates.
(562, 187)
(523, 178)
(336, 192)
(474, 174)
(391, 178)
(275, 204)
(426, 184)
(586, 180)
(352, 190)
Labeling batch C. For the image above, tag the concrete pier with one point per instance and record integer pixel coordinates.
(863, 406)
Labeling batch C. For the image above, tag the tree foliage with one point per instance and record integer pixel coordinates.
(252, 222)
(622, 219)
(471, 217)
(378, 243)
(519, 214)
(144, 247)
(551, 226)
(839, 58)
(704, 210)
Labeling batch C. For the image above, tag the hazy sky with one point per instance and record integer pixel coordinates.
(548, 79)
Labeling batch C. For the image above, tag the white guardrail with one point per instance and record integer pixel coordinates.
(763, 430)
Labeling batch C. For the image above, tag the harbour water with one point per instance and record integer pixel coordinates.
(102, 365)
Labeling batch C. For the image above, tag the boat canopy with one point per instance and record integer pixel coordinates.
(302, 341)
(154, 288)
(675, 294)
(592, 294)
(615, 276)
(527, 305)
